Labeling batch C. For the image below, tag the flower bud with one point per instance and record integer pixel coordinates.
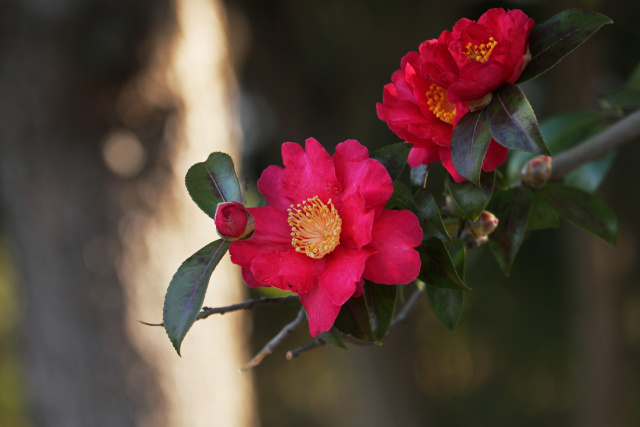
(483, 226)
(234, 221)
(536, 172)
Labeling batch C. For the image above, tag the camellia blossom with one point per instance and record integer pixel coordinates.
(325, 230)
(418, 111)
(477, 58)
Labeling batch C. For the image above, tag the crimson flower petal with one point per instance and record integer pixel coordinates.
(272, 233)
(309, 173)
(320, 310)
(289, 271)
(357, 221)
(344, 270)
(395, 234)
(270, 186)
(358, 173)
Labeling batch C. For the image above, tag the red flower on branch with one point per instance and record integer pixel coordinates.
(325, 230)
(418, 111)
(477, 58)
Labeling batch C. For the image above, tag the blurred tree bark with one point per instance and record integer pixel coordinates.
(103, 106)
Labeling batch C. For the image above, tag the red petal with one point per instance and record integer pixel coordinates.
(321, 311)
(344, 270)
(272, 234)
(357, 221)
(496, 155)
(309, 173)
(358, 173)
(289, 271)
(395, 234)
(270, 186)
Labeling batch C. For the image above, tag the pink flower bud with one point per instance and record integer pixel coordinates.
(234, 221)
(483, 226)
(536, 172)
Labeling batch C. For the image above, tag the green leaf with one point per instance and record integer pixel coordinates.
(629, 95)
(419, 175)
(542, 216)
(400, 198)
(381, 303)
(334, 337)
(437, 267)
(426, 209)
(469, 144)
(554, 39)
(213, 181)
(512, 121)
(582, 209)
(512, 208)
(459, 256)
(561, 133)
(588, 177)
(469, 198)
(353, 319)
(185, 294)
(393, 157)
(446, 305)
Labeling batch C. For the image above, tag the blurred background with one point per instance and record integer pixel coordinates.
(103, 107)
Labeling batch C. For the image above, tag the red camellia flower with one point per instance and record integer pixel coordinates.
(477, 58)
(325, 230)
(418, 111)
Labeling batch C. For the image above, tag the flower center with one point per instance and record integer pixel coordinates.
(315, 227)
(480, 52)
(439, 105)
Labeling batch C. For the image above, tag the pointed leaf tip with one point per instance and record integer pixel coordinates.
(187, 289)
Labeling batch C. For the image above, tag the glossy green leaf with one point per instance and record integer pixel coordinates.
(187, 289)
(469, 198)
(426, 209)
(469, 144)
(401, 197)
(555, 38)
(419, 175)
(543, 215)
(393, 157)
(213, 181)
(437, 267)
(560, 132)
(629, 95)
(353, 319)
(446, 305)
(458, 254)
(512, 208)
(513, 123)
(582, 209)
(381, 303)
(334, 337)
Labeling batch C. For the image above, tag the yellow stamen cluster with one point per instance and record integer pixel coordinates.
(315, 227)
(439, 105)
(480, 52)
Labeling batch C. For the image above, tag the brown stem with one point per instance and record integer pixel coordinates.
(275, 341)
(616, 135)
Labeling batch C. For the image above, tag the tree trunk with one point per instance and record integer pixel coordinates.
(103, 109)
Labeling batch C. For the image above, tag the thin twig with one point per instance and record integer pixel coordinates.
(245, 305)
(399, 319)
(623, 131)
(275, 341)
